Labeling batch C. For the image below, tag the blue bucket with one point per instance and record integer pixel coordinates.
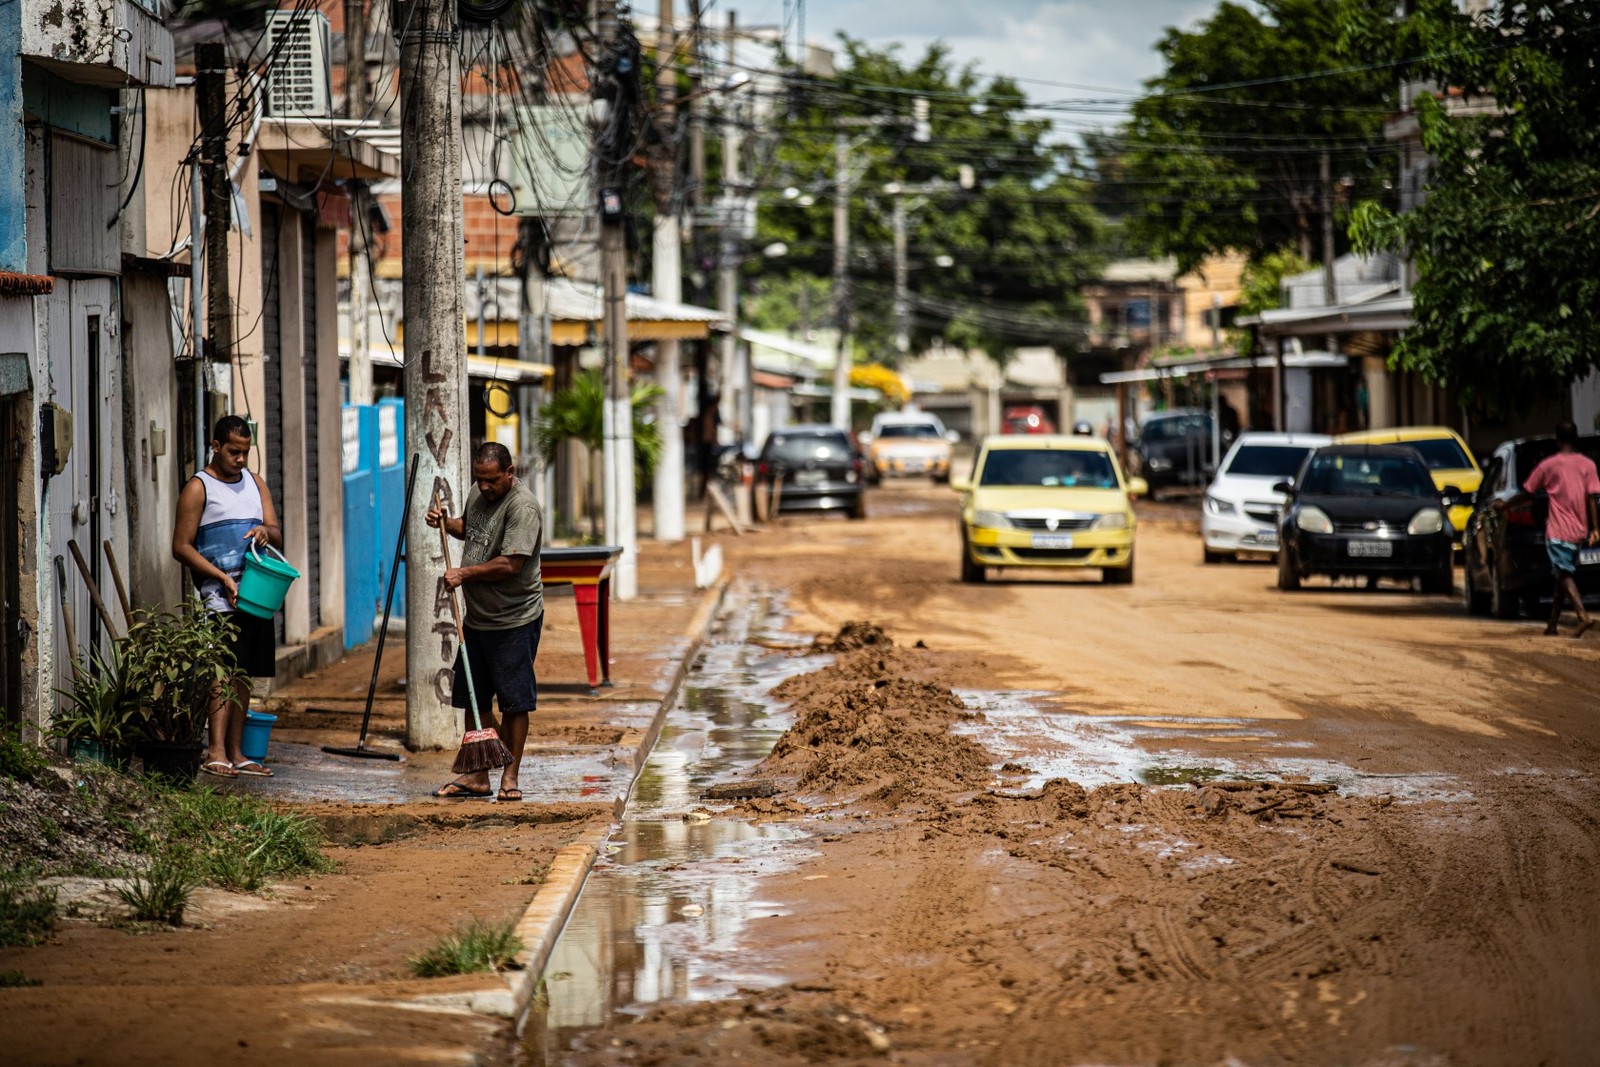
(264, 583)
(257, 733)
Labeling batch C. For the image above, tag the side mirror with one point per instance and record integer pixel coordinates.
(1283, 487)
(961, 485)
(1453, 496)
(865, 437)
(953, 437)
(1138, 487)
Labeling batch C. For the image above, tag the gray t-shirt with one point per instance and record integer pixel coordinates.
(510, 526)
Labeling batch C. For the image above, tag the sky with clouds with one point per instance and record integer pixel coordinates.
(1105, 44)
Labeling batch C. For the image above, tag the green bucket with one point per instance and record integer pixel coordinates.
(264, 583)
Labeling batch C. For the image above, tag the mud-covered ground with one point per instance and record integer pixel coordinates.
(1386, 851)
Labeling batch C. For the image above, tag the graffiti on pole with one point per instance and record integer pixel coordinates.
(437, 433)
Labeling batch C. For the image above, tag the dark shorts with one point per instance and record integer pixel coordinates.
(255, 646)
(1563, 556)
(502, 668)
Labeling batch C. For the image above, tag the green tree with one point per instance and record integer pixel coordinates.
(994, 266)
(1225, 150)
(1507, 241)
(577, 413)
(1261, 288)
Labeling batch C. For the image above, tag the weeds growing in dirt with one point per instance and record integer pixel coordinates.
(473, 947)
(161, 894)
(27, 909)
(16, 980)
(237, 842)
(18, 759)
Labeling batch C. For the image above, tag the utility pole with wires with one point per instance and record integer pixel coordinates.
(1330, 277)
(612, 146)
(736, 389)
(211, 98)
(667, 284)
(435, 346)
(355, 107)
(840, 414)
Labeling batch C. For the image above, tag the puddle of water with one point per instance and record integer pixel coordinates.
(664, 914)
(1095, 750)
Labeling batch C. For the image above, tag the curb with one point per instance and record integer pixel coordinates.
(546, 914)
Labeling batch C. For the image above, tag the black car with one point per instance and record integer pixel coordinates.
(1506, 566)
(812, 468)
(1366, 510)
(1174, 448)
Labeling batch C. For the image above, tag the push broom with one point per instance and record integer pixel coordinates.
(481, 747)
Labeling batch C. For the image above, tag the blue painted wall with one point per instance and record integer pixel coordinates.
(13, 234)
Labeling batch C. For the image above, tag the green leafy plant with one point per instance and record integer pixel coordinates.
(473, 947)
(161, 894)
(18, 759)
(577, 413)
(237, 842)
(16, 980)
(99, 708)
(172, 663)
(27, 909)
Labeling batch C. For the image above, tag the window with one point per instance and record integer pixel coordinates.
(1366, 475)
(908, 429)
(806, 448)
(1441, 453)
(1056, 468)
(1270, 461)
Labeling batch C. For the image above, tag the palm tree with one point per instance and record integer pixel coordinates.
(577, 413)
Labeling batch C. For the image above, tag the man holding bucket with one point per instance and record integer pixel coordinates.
(224, 510)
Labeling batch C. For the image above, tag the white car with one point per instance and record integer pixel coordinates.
(1240, 510)
(907, 443)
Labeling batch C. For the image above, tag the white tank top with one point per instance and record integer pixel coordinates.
(232, 510)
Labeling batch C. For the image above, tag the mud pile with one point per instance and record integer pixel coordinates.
(868, 726)
(785, 1028)
(853, 635)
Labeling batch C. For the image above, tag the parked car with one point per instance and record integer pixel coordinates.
(1367, 510)
(1241, 506)
(1027, 418)
(1047, 501)
(1448, 458)
(908, 443)
(814, 468)
(1505, 566)
(1174, 448)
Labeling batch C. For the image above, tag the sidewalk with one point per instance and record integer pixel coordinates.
(314, 972)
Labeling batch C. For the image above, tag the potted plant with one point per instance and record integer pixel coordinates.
(97, 721)
(172, 664)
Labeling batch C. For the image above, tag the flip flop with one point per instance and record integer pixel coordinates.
(509, 794)
(457, 791)
(252, 768)
(1583, 627)
(226, 771)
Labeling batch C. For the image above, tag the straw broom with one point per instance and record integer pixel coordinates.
(481, 748)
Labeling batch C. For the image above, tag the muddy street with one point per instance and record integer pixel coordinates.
(1044, 821)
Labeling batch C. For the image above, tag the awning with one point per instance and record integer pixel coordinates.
(1201, 366)
(488, 368)
(789, 346)
(575, 310)
(308, 150)
(1389, 313)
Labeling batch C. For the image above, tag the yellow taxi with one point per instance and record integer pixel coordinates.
(1448, 458)
(1047, 501)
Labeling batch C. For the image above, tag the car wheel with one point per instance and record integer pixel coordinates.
(973, 573)
(858, 510)
(1118, 575)
(1477, 600)
(1214, 557)
(1288, 576)
(1502, 602)
(1441, 582)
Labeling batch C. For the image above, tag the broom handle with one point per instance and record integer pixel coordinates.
(455, 613)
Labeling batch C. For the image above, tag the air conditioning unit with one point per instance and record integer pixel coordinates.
(299, 79)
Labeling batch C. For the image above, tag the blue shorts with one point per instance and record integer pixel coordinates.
(502, 667)
(1563, 557)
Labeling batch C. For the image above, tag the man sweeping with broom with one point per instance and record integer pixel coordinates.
(499, 578)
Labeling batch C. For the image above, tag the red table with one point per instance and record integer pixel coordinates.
(588, 570)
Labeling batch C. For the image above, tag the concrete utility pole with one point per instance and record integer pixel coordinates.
(618, 414)
(840, 415)
(667, 284)
(211, 98)
(735, 373)
(1330, 280)
(355, 107)
(902, 297)
(435, 347)
(533, 342)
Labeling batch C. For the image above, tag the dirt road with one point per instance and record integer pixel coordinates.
(1388, 854)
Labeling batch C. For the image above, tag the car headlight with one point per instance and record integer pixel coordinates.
(1218, 506)
(1111, 520)
(1160, 463)
(1313, 520)
(992, 519)
(1426, 521)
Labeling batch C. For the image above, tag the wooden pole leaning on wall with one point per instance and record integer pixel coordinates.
(116, 580)
(94, 590)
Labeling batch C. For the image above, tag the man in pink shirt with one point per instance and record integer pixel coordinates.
(1570, 481)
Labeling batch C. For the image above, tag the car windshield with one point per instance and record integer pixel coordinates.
(1058, 468)
(1170, 429)
(1441, 453)
(1270, 461)
(1361, 475)
(908, 429)
(807, 447)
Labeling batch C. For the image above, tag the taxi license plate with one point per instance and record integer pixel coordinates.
(1052, 540)
(1371, 549)
(1588, 557)
(809, 477)
(1267, 537)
